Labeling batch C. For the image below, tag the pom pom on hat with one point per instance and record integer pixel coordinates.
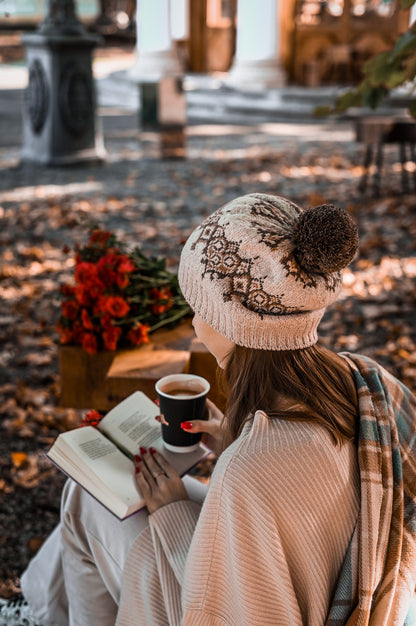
(325, 239)
(261, 271)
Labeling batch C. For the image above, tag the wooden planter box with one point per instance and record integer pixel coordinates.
(100, 381)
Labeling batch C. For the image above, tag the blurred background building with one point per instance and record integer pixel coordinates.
(274, 42)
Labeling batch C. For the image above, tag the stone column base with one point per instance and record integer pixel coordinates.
(254, 75)
(151, 66)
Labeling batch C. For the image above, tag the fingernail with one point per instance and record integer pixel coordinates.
(158, 418)
(142, 450)
(157, 401)
(186, 425)
(137, 470)
(137, 459)
(152, 450)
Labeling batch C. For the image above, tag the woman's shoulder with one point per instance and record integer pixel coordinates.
(272, 460)
(268, 442)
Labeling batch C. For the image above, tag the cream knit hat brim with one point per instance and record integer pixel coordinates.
(239, 273)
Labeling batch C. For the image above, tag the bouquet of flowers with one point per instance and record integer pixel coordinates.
(118, 298)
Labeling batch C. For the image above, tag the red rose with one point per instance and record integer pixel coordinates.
(111, 336)
(65, 334)
(83, 295)
(70, 309)
(99, 237)
(92, 418)
(122, 281)
(68, 290)
(77, 331)
(106, 268)
(86, 320)
(137, 336)
(116, 306)
(106, 320)
(86, 273)
(163, 299)
(125, 266)
(89, 343)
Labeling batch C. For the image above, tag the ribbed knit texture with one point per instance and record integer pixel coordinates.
(269, 543)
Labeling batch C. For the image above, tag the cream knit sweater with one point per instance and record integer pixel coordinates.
(269, 542)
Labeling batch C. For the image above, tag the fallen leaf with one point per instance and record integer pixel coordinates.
(19, 459)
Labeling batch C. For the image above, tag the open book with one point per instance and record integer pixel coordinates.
(101, 458)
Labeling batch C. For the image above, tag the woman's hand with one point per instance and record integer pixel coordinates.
(159, 483)
(212, 428)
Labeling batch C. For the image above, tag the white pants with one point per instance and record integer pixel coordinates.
(75, 578)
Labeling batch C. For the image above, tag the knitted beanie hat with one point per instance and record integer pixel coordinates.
(261, 271)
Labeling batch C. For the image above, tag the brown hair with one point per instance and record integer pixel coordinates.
(316, 378)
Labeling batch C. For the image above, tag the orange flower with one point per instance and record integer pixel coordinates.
(92, 418)
(70, 309)
(106, 269)
(111, 336)
(110, 287)
(124, 268)
(68, 291)
(86, 320)
(86, 273)
(163, 299)
(89, 343)
(116, 306)
(138, 335)
(83, 295)
(99, 237)
(65, 334)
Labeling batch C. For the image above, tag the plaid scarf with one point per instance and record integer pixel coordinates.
(378, 578)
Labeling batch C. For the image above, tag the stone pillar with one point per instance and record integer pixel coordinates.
(159, 74)
(156, 54)
(257, 62)
(59, 122)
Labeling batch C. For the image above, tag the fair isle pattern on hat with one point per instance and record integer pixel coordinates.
(221, 260)
(240, 274)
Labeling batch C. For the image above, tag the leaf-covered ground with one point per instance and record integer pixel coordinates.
(156, 203)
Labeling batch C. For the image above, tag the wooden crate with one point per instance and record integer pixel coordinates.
(99, 381)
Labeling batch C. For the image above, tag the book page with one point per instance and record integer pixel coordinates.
(103, 468)
(132, 424)
(96, 463)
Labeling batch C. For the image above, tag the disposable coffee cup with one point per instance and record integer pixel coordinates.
(181, 399)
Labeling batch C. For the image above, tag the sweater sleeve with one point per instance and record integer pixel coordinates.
(153, 572)
(172, 528)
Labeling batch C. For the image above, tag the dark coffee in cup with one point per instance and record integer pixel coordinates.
(173, 389)
(181, 399)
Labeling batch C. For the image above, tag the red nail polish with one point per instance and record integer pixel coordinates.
(137, 458)
(186, 425)
(137, 470)
(152, 450)
(142, 450)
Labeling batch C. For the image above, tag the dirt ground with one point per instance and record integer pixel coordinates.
(156, 203)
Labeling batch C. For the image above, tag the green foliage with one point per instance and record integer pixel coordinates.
(382, 73)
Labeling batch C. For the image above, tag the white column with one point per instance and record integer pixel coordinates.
(257, 59)
(179, 19)
(156, 55)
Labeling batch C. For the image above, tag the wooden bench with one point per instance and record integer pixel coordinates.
(375, 131)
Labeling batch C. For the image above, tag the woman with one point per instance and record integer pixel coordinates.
(310, 517)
